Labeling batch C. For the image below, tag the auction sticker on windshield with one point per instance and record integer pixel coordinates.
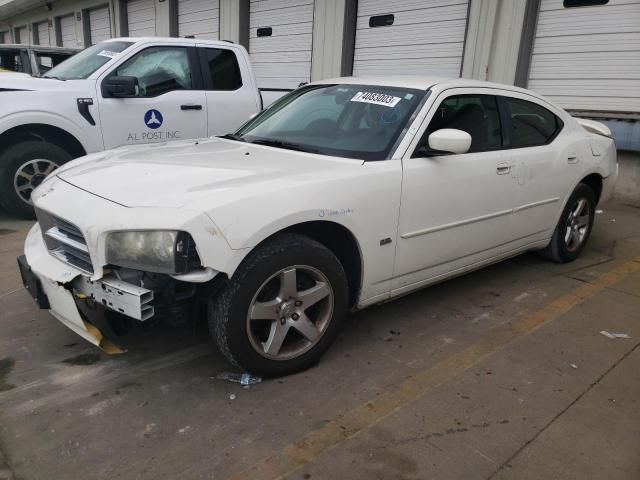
(108, 54)
(376, 98)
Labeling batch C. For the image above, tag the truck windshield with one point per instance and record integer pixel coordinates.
(86, 62)
(351, 121)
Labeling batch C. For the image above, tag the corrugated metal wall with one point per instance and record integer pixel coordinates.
(99, 24)
(282, 59)
(68, 31)
(588, 58)
(426, 38)
(200, 18)
(44, 37)
(141, 18)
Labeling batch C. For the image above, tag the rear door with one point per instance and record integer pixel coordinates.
(230, 93)
(170, 104)
(544, 167)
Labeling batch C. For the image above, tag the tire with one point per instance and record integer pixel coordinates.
(571, 233)
(262, 284)
(32, 157)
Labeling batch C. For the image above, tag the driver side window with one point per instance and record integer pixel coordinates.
(159, 70)
(477, 115)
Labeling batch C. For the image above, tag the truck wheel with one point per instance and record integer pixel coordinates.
(282, 308)
(574, 227)
(22, 168)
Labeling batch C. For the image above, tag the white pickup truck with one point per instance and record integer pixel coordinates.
(119, 92)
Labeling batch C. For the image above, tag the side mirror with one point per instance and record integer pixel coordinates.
(120, 87)
(450, 140)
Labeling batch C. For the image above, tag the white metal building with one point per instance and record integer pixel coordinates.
(584, 54)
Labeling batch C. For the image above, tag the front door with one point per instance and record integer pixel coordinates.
(456, 208)
(170, 103)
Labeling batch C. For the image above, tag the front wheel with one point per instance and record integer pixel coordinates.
(282, 308)
(23, 167)
(574, 227)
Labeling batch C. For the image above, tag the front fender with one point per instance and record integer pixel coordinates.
(90, 143)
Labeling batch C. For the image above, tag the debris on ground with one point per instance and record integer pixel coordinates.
(184, 430)
(232, 396)
(598, 211)
(613, 335)
(574, 366)
(241, 378)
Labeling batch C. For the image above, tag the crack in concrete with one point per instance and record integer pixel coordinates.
(508, 461)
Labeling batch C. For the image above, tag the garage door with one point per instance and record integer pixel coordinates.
(99, 24)
(68, 31)
(43, 33)
(22, 35)
(141, 18)
(411, 37)
(280, 41)
(200, 18)
(588, 58)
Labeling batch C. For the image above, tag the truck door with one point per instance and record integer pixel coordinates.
(169, 104)
(231, 94)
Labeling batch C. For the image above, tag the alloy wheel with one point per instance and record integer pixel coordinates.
(31, 174)
(578, 223)
(290, 312)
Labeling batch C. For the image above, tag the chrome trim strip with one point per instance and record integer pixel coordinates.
(468, 221)
(536, 204)
(447, 226)
(56, 234)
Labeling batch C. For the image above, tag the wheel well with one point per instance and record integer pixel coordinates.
(594, 182)
(43, 132)
(343, 244)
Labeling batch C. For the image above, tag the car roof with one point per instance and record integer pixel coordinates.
(193, 41)
(48, 48)
(421, 83)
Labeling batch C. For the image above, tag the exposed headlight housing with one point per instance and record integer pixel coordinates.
(163, 251)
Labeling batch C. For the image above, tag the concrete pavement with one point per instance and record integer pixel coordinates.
(498, 374)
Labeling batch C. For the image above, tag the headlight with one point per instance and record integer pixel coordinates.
(153, 251)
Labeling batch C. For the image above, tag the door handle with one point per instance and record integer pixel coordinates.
(190, 107)
(572, 158)
(503, 168)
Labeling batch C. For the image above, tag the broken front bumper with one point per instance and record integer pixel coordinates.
(51, 283)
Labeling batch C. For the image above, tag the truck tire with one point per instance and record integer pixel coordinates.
(23, 167)
(573, 228)
(282, 308)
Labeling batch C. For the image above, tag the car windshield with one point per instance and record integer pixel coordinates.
(351, 121)
(87, 61)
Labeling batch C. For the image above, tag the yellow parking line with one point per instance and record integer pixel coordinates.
(297, 454)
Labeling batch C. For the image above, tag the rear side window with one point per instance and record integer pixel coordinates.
(531, 124)
(223, 68)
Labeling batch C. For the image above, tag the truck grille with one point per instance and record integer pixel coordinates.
(64, 241)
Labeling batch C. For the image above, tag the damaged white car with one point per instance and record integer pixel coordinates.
(345, 193)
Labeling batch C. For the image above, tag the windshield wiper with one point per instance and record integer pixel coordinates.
(232, 136)
(285, 145)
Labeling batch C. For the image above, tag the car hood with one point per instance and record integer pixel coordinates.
(180, 174)
(12, 81)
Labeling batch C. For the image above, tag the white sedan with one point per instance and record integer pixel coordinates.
(343, 194)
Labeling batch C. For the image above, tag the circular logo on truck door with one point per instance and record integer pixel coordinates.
(153, 119)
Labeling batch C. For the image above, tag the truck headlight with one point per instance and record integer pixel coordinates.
(164, 251)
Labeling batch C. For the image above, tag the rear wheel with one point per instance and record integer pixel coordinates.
(574, 227)
(282, 308)
(23, 167)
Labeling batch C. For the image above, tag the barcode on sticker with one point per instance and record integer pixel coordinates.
(376, 99)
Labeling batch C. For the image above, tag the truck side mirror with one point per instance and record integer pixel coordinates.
(120, 87)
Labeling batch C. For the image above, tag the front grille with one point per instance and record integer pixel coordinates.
(64, 241)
